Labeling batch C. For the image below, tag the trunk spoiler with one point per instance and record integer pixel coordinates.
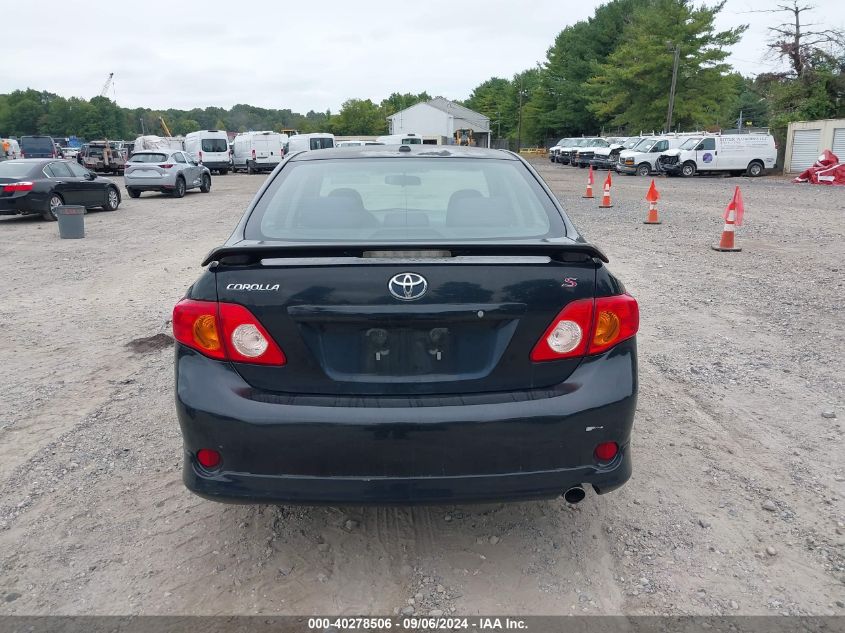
(249, 252)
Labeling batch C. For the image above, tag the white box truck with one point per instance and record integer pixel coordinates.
(749, 154)
(210, 148)
(258, 151)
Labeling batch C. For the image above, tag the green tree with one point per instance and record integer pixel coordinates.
(630, 89)
(359, 117)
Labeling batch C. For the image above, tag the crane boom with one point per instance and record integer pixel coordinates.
(164, 126)
(107, 85)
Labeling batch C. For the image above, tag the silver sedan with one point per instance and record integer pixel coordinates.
(167, 171)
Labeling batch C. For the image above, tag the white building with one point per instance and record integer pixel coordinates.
(438, 120)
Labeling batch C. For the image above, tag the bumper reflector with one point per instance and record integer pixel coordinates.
(606, 451)
(208, 458)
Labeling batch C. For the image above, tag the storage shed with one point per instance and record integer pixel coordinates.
(437, 121)
(806, 140)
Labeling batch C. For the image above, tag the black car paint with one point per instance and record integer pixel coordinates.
(90, 192)
(291, 434)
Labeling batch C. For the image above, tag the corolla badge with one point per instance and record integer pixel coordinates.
(407, 286)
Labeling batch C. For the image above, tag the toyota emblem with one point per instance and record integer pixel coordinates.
(407, 286)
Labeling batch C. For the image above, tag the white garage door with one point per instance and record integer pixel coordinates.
(805, 149)
(839, 143)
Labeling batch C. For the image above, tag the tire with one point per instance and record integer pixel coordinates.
(179, 190)
(205, 187)
(223, 172)
(643, 169)
(249, 169)
(755, 168)
(134, 193)
(112, 200)
(688, 169)
(55, 201)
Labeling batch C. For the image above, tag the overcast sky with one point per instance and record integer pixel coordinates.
(302, 55)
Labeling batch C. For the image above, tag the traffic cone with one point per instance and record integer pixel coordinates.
(605, 199)
(733, 218)
(590, 181)
(652, 196)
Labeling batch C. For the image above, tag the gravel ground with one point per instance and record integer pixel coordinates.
(735, 505)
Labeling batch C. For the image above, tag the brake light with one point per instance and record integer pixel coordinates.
(253, 154)
(18, 186)
(588, 326)
(200, 157)
(166, 166)
(225, 331)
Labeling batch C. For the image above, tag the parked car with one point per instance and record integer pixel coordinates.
(38, 186)
(211, 147)
(582, 155)
(405, 326)
(642, 158)
(70, 152)
(606, 158)
(258, 151)
(554, 150)
(749, 154)
(37, 147)
(564, 155)
(319, 140)
(167, 171)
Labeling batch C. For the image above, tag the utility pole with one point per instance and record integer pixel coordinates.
(677, 49)
(519, 120)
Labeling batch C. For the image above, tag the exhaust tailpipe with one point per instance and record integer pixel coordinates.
(574, 494)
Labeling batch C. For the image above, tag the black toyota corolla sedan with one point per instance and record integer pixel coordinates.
(405, 325)
(39, 185)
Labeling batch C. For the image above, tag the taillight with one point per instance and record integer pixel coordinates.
(18, 186)
(588, 326)
(253, 154)
(166, 166)
(225, 331)
(200, 157)
(616, 319)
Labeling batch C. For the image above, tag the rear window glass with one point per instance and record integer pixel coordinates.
(408, 199)
(14, 169)
(148, 158)
(322, 143)
(214, 145)
(37, 144)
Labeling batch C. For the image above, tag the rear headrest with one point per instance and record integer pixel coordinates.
(472, 211)
(346, 193)
(333, 212)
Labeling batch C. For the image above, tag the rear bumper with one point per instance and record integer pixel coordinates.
(31, 203)
(301, 449)
(149, 184)
(259, 166)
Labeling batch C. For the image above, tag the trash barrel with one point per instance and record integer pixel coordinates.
(71, 221)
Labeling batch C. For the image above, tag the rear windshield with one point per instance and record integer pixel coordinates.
(14, 169)
(408, 199)
(214, 145)
(322, 143)
(148, 158)
(37, 144)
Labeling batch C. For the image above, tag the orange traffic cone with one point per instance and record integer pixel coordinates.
(605, 199)
(652, 196)
(733, 218)
(589, 193)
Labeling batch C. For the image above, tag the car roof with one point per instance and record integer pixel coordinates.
(393, 151)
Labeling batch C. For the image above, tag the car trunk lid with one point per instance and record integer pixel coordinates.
(346, 326)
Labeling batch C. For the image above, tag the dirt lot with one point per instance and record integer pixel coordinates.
(735, 506)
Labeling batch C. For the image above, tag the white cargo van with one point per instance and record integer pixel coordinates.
(258, 151)
(642, 158)
(408, 138)
(736, 153)
(210, 148)
(307, 142)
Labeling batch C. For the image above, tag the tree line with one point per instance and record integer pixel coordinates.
(609, 73)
